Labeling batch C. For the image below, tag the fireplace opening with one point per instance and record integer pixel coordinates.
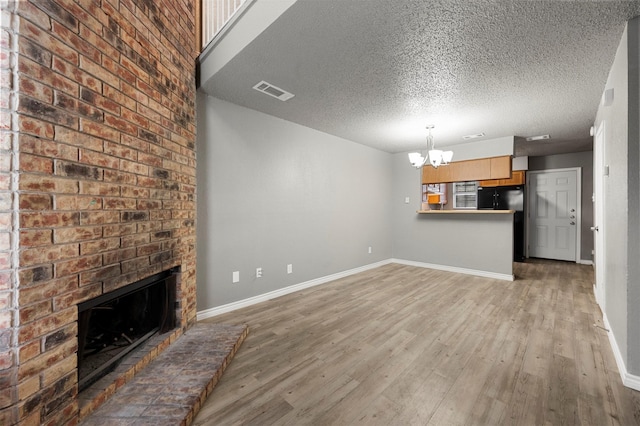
(112, 325)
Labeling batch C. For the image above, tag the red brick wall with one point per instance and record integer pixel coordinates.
(98, 135)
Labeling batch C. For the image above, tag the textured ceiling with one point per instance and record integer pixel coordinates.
(378, 71)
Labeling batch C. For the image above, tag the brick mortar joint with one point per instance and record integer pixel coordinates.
(11, 7)
(18, 143)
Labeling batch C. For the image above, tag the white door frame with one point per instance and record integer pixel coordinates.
(599, 212)
(578, 170)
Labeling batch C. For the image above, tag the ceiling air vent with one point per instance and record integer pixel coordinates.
(538, 138)
(477, 135)
(272, 90)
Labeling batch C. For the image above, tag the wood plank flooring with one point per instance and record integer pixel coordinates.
(400, 345)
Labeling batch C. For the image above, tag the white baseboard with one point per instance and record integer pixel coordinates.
(223, 309)
(476, 272)
(599, 298)
(629, 380)
(218, 310)
(585, 262)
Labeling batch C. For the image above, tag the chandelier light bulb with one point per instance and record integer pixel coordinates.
(436, 157)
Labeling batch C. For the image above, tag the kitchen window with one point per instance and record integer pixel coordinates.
(465, 195)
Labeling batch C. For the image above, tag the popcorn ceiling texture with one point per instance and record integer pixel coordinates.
(377, 72)
(97, 178)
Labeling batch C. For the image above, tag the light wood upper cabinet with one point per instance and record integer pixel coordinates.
(461, 171)
(470, 170)
(440, 175)
(501, 167)
(517, 178)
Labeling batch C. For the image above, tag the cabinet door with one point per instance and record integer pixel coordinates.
(488, 183)
(439, 175)
(501, 167)
(501, 174)
(471, 169)
(517, 178)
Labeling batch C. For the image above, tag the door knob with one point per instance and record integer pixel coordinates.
(594, 228)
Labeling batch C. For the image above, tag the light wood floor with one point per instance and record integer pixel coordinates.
(400, 345)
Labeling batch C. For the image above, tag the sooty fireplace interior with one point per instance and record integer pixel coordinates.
(112, 325)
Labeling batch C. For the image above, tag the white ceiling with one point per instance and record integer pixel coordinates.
(378, 71)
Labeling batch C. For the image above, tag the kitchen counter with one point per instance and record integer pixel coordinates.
(475, 242)
(466, 211)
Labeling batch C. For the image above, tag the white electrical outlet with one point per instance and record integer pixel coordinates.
(236, 277)
(406, 200)
(369, 249)
(289, 268)
(258, 272)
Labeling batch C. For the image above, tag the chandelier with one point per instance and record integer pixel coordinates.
(434, 156)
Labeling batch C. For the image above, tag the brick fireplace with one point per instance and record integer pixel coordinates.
(97, 178)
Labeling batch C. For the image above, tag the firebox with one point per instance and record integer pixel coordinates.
(112, 325)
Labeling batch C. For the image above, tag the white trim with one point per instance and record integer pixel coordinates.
(578, 171)
(578, 213)
(585, 262)
(247, 23)
(208, 45)
(458, 270)
(223, 309)
(629, 380)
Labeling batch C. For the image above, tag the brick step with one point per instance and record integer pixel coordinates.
(171, 388)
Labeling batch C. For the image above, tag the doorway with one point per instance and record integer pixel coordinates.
(554, 214)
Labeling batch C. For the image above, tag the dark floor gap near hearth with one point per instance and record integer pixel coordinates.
(171, 389)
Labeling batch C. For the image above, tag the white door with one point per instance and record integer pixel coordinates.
(553, 214)
(598, 213)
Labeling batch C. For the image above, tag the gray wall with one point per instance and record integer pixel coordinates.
(615, 199)
(633, 205)
(272, 193)
(621, 188)
(479, 242)
(585, 161)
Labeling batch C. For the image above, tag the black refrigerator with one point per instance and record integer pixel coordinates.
(507, 198)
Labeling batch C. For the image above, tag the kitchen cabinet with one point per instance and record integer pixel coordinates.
(468, 170)
(440, 175)
(517, 178)
(434, 194)
(500, 167)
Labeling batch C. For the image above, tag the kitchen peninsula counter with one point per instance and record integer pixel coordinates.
(466, 211)
(474, 242)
